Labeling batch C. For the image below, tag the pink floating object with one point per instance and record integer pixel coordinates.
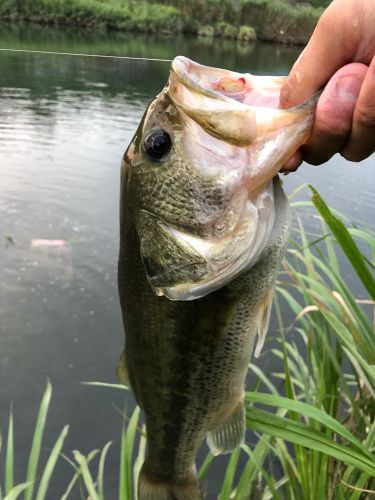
(50, 259)
(47, 243)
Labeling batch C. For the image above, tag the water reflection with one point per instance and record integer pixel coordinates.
(64, 124)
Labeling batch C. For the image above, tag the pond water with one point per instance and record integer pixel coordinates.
(64, 125)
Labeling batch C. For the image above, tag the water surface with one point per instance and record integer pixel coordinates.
(64, 125)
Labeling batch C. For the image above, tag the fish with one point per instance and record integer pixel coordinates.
(204, 222)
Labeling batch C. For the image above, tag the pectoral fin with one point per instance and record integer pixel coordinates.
(264, 315)
(121, 371)
(230, 434)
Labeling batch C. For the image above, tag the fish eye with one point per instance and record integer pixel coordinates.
(157, 144)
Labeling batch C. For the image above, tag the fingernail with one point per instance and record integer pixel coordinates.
(348, 88)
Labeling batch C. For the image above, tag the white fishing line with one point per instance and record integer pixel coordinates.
(85, 55)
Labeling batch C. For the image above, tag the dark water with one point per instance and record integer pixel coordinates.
(64, 125)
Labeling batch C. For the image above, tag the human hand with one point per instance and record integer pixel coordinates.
(339, 55)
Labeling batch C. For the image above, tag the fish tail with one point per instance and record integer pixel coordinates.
(152, 489)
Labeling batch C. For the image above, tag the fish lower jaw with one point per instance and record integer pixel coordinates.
(216, 280)
(236, 254)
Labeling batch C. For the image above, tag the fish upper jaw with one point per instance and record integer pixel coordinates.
(239, 109)
(223, 109)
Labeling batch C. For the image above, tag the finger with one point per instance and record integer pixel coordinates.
(334, 114)
(292, 164)
(361, 142)
(325, 53)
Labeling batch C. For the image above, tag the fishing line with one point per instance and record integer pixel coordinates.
(86, 55)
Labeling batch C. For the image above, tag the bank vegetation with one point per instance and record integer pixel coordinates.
(270, 20)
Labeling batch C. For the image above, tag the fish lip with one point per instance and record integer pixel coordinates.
(187, 73)
(182, 67)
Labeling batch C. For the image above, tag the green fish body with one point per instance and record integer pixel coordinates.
(203, 227)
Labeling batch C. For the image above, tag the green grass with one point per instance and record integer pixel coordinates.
(37, 481)
(314, 418)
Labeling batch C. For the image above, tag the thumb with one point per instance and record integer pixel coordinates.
(326, 52)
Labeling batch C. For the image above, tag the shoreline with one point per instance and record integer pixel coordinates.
(264, 20)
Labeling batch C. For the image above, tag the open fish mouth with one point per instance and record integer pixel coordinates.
(238, 108)
(235, 136)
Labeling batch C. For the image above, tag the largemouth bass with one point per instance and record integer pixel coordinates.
(204, 223)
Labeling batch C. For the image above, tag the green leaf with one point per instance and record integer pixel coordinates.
(271, 482)
(84, 467)
(229, 475)
(346, 242)
(37, 441)
(100, 479)
(310, 411)
(120, 387)
(9, 457)
(126, 453)
(205, 466)
(140, 458)
(251, 469)
(50, 465)
(78, 473)
(308, 437)
(16, 491)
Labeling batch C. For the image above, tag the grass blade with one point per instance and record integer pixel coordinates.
(50, 465)
(346, 242)
(126, 453)
(229, 475)
(249, 473)
(77, 475)
(37, 441)
(16, 491)
(308, 437)
(9, 457)
(120, 387)
(84, 467)
(140, 458)
(310, 411)
(205, 466)
(100, 479)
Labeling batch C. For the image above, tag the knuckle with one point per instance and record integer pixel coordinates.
(352, 155)
(317, 156)
(287, 93)
(314, 160)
